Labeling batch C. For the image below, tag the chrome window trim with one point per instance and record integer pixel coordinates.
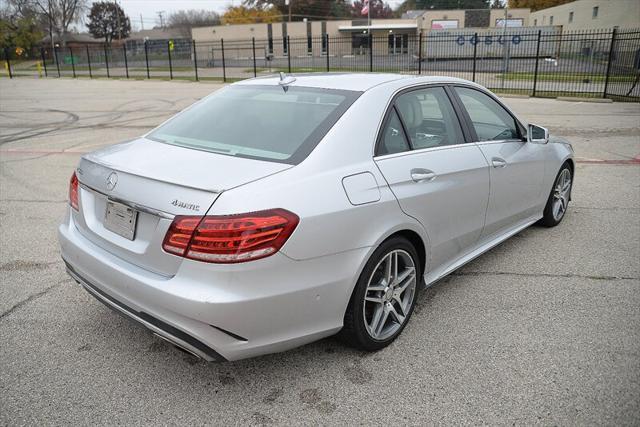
(498, 141)
(422, 150)
(139, 208)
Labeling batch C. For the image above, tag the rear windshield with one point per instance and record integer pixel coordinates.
(260, 122)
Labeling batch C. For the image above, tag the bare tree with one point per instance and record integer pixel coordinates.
(184, 20)
(60, 14)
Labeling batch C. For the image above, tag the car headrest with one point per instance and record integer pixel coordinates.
(410, 110)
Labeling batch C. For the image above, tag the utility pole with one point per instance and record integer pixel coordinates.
(53, 45)
(118, 19)
(288, 3)
(160, 13)
(141, 23)
(504, 44)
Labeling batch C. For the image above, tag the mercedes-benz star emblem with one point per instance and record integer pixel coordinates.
(112, 180)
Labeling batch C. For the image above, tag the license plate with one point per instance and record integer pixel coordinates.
(121, 219)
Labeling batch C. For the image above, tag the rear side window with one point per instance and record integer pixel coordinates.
(393, 140)
(490, 120)
(429, 118)
(261, 122)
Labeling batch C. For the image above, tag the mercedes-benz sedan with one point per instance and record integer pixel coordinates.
(281, 210)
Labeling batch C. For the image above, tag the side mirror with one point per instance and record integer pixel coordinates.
(537, 134)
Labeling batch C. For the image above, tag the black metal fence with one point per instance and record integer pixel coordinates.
(531, 61)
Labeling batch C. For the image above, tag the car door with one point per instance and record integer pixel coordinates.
(437, 176)
(517, 167)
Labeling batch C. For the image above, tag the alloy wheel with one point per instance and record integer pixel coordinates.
(561, 194)
(389, 294)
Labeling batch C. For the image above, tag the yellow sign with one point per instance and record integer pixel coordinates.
(171, 45)
(19, 51)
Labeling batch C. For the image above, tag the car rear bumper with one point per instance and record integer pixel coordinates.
(221, 312)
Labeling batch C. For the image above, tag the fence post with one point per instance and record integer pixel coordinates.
(6, 58)
(327, 50)
(289, 53)
(475, 55)
(146, 58)
(195, 59)
(253, 46)
(224, 67)
(370, 51)
(44, 62)
(535, 72)
(420, 53)
(170, 64)
(106, 60)
(126, 63)
(606, 80)
(55, 53)
(73, 65)
(89, 61)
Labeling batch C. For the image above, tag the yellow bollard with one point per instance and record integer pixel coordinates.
(39, 65)
(6, 68)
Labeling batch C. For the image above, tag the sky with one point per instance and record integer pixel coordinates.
(147, 10)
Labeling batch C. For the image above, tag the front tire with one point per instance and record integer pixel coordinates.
(558, 200)
(384, 297)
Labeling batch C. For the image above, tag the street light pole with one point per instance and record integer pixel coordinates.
(504, 44)
(53, 45)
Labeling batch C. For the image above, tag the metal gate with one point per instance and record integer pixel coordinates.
(623, 77)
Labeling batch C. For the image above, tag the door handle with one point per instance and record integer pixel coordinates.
(497, 162)
(422, 175)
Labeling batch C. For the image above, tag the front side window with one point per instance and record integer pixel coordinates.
(594, 14)
(260, 122)
(490, 120)
(429, 118)
(570, 17)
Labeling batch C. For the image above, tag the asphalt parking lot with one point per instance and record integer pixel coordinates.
(543, 329)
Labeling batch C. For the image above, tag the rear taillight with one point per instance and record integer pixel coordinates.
(73, 191)
(230, 238)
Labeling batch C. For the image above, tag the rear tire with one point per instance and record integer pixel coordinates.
(558, 201)
(384, 296)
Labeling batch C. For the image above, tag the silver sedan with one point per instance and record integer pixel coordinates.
(281, 210)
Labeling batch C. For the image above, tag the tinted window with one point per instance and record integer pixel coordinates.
(490, 120)
(429, 118)
(262, 122)
(393, 139)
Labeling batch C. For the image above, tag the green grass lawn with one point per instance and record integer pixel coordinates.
(322, 69)
(566, 77)
(151, 68)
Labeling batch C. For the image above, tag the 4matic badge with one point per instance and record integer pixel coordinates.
(184, 205)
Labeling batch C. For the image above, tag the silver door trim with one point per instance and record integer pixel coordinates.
(422, 150)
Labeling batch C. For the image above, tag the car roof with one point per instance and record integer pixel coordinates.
(349, 81)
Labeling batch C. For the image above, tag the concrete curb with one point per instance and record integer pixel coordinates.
(578, 99)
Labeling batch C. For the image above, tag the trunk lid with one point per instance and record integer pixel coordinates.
(156, 181)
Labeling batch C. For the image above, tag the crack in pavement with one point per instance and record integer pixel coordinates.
(566, 276)
(28, 300)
